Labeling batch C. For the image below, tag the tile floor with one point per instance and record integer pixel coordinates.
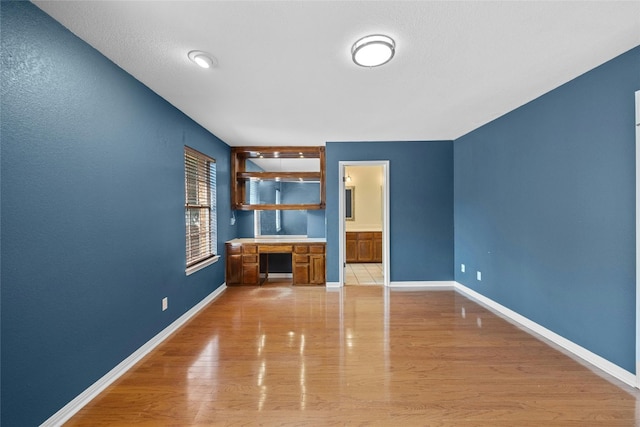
(364, 274)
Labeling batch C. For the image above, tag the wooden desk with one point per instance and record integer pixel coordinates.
(307, 260)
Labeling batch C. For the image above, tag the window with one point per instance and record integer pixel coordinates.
(200, 206)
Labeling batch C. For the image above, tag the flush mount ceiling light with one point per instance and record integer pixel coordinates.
(203, 59)
(373, 50)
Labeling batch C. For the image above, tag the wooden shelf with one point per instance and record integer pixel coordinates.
(285, 176)
(241, 176)
(272, 207)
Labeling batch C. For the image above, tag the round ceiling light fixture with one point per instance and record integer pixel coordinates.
(203, 59)
(373, 50)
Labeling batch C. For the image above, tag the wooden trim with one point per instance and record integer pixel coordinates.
(323, 178)
(284, 152)
(272, 207)
(305, 176)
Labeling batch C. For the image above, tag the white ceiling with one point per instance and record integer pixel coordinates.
(285, 75)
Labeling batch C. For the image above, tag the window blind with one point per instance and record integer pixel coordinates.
(200, 206)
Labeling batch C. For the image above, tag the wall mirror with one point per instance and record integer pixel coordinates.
(349, 205)
(280, 223)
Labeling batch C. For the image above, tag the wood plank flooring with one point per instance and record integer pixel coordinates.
(308, 356)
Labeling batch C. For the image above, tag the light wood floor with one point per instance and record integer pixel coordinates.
(364, 355)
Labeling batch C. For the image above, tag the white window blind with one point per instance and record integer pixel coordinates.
(200, 206)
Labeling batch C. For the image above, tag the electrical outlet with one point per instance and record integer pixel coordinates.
(462, 268)
(165, 303)
(479, 276)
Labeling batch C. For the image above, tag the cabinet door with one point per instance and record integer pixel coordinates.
(234, 269)
(251, 272)
(365, 250)
(377, 247)
(300, 269)
(317, 269)
(352, 247)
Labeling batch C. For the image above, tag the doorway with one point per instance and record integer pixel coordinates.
(364, 223)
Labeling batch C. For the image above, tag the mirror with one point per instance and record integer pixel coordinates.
(280, 223)
(349, 203)
(282, 192)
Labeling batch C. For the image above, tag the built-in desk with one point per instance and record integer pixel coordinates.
(244, 259)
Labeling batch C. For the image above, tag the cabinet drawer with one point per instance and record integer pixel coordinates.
(316, 249)
(249, 259)
(300, 259)
(234, 249)
(275, 249)
(301, 249)
(249, 249)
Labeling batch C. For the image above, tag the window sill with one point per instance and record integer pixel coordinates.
(192, 269)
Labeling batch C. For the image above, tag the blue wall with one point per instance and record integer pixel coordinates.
(92, 215)
(545, 204)
(421, 206)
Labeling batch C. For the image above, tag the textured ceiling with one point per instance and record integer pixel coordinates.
(285, 75)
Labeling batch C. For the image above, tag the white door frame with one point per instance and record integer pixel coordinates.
(637, 123)
(385, 216)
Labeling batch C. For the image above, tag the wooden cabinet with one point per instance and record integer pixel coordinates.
(307, 262)
(273, 166)
(377, 247)
(364, 246)
(243, 266)
(352, 247)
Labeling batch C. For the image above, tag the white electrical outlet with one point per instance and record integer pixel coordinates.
(165, 303)
(462, 268)
(479, 276)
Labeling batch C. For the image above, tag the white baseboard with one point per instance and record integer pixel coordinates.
(431, 285)
(333, 285)
(573, 348)
(96, 388)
